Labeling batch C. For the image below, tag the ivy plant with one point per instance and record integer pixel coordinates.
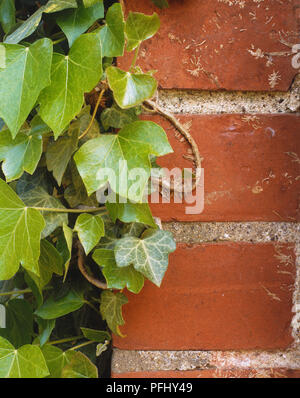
(68, 114)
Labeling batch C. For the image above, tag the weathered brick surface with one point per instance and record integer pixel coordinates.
(215, 296)
(214, 373)
(221, 44)
(251, 167)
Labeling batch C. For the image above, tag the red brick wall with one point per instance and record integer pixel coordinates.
(235, 299)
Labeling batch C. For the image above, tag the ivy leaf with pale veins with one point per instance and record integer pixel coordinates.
(116, 277)
(24, 152)
(31, 24)
(111, 310)
(90, 229)
(130, 212)
(7, 14)
(112, 33)
(71, 77)
(149, 255)
(59, 153)
(39, 197)
(53, 308)
(134, 143)
(140, 27)
(74, 22)
(130, 89)
(26, 73)
(25, 362)
(20, 234)
(117, 117)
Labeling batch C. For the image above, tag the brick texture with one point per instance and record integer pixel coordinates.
(251, 167)
(221, 44)
(215, 296)
(214, 373)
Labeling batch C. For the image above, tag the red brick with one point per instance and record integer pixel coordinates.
(207, 44)
(214, 373)
(250, 173)
(215, 296)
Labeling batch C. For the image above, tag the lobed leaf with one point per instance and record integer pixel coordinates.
(118, 278)
(25, 362)
(134, 143)
(149, 255)
(111, 310)
(130, 89)
(76, 21)
(71, 77)
(24, 152)
(112, 33)
(90, 229)
(140, 27)
(26, 74)
(20, 234)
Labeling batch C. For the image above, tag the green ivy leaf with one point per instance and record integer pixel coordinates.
(55, 360)
(68, 364)
(52, 309)
(161, 3)
(39, 197)
(90, 229)
(116, 277)
(7, 14)
(149, 255)
(24, 152)
(31, 24)
(112, 33)
(111, 310)
(27, 72)
(46, 327)
(95, 335)
(59, 153)
(76, 194)
(117, 117)
(78, 366)
(50, 262)
(71, 77)
(19, 322)
(65, 247)
(20, 234)
(75, 22)
(130, 89)
(140, 27)
(90, 3)
(130, 212)
(134, 143)
(25, 362)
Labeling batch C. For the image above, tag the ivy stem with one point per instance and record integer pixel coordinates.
(94, 281)
(52, 210)
(136, 54)
(66, 340)
(18, 292)
(92, 306)
(59, 40)
(82, 345)
(94, 114)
